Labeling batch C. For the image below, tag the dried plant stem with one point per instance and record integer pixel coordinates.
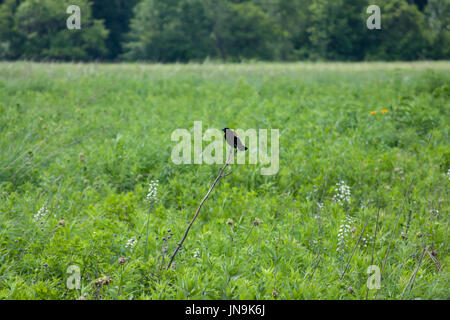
(436, 261)
(221, 175)
(413, 276)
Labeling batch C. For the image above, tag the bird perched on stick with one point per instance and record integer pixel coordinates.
(233, 140)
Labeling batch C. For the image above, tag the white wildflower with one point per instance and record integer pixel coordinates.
(40, 214)
(363, 243)
(153, 191)
(320, 206)
(434, 211)
(131, 243)
(344, 233)
(342, 193)
(196, 253)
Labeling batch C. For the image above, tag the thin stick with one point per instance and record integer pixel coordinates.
(413, 276)
(436, 261)
(198, 210)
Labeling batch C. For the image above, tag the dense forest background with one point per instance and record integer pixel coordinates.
(226, 30)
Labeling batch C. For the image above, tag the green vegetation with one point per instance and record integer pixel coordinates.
(80, 145)
(226, 30)
(36, 30)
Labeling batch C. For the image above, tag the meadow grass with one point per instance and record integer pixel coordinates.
(81, 143)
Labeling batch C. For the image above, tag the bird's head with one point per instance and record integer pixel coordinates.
(225, 129)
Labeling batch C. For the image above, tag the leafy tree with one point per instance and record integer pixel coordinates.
(251, 31)
(348, 31)
(167, 31)
(231, 30)
(337, 29)
(402, 35)
(116, 15)
(319, 27)
(289, 24)
(36, 29)
(196, 26)
(218, 12)
(194, 29)
(10, 38)
(419, 3)
(438, 18)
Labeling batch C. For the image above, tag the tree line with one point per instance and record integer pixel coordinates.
(228, 30)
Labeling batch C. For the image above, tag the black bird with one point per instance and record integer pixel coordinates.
(233, 140)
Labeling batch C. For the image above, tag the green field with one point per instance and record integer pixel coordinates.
(80, 144)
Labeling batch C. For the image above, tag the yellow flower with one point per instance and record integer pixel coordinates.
(384, 111)
(373, 112)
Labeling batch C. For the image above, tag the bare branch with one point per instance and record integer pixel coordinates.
(199, 207)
